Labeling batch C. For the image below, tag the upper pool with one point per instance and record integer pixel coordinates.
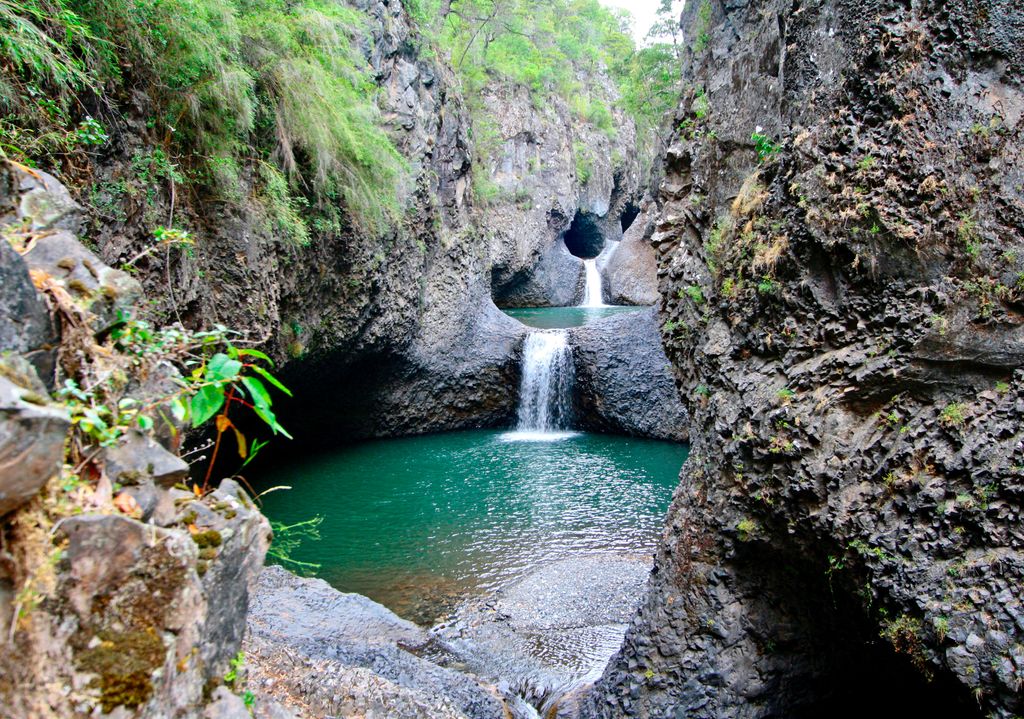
(562, 317)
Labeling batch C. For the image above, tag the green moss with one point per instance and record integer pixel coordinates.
(208, 553)
(208, 538)
(123, 664)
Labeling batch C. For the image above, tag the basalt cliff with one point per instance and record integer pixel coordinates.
(840, 261)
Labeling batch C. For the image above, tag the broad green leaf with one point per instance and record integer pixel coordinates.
(206, 403)
(260, 397)
(222, 367)
(272, 379)
(145, 423)
(267, 416)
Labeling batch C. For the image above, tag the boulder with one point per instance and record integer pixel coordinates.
(43, 202)
(624, 381)
(233, 538)
(25, 323)
(138, 458)
(345, 655)
(108, 294)
(32, 434)
(631, 272)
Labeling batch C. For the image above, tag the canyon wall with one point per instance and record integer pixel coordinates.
(840, 258)
(398, 333)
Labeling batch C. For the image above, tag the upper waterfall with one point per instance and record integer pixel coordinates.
(592, 296)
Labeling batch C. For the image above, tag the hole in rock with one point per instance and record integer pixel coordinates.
(826, 650)
(584, 238)
(629, 214)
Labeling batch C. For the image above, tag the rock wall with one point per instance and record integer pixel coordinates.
(842, 305)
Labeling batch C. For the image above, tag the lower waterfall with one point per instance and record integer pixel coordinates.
(545, 396)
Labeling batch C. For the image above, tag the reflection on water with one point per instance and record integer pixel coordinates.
(419, 523)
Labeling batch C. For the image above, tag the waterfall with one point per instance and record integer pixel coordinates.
(545, 396)
(592, 295)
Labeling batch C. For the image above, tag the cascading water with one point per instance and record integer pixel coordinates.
(545, 396)
(592, 294)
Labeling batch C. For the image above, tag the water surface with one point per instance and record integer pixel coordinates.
(420, 523)
(563, 317)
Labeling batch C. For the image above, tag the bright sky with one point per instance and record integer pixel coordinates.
(643, 10)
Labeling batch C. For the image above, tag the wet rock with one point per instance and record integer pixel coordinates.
(552, 631)
(138, 458)
(623, 379)
(26, 326)
(32, 434)
(108, 294)
(342, 654)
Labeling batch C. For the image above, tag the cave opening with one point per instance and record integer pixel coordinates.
(629, 214)
(827, 656)
(584, 238)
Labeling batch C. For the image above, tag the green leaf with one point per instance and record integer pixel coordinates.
(223, 368)
(145, 423)
(272, 379)
(267, 416)
(206, 403)
(257, 354)
(259, 394)
(179, 409)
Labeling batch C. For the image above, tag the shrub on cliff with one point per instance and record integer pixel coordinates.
(231, 82)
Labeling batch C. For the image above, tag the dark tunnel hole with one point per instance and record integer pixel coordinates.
(583, 238)
(832, 661)
(629, 214)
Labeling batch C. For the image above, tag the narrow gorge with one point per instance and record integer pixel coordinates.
(490, 359)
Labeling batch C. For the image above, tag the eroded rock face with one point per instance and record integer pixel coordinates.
(323, 652)
(842, 309)
(624, 382)
(140, 618)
